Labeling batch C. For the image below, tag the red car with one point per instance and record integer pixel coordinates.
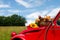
(50, 32)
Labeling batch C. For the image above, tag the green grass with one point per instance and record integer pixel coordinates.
(5, 32)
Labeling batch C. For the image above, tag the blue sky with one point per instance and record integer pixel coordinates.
(30, 9)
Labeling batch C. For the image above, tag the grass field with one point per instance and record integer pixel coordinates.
(5, 32)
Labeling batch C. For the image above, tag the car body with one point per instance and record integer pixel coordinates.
(51, 32)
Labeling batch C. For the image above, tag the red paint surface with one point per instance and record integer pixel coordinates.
(39, 33)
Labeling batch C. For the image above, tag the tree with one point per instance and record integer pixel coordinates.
(14, 20)
(2, 20)
(18, 20)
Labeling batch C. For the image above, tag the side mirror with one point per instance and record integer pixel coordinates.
(13, 34)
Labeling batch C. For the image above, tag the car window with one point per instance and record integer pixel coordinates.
(58, 21)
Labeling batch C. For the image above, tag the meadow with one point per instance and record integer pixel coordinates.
(5, 31)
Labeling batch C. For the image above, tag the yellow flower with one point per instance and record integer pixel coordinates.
(33, 25)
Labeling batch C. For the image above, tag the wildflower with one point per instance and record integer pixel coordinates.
(33, 25)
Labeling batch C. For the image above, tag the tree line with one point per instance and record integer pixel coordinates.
(13, 20)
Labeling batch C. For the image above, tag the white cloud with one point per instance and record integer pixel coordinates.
(30, 3)
(14, 11)
(43, 13)
(9, 12)
(34, 15)
(2, 11)
(54, 12)
(1, 14)
(28, 22)
(4, 6)
(23, 3)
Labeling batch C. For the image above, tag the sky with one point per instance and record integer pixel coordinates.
(30, 9)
